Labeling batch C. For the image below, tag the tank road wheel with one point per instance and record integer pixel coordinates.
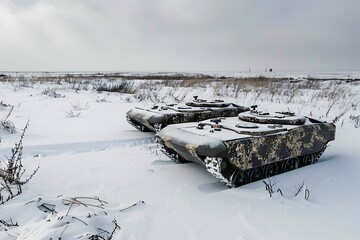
(290, 164)
(240, 178)
(226, 169)
(271, 170)
(309, 159)
(256, 174)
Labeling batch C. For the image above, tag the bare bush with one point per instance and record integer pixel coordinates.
(82, 213)
(149, 91)
(103, 99)
(6, 124)
(333, 99)
(181, 95)
(195, 82)
(78, 106)
(4, 105)
(52, 93)
(122, 87)
(269, 185)
(300, 188)
(73, 114)
(271, 182)
(356, 120)
(11, 175)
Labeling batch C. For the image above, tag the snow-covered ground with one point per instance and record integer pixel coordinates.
(95, 167)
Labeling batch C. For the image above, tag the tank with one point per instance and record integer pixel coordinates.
(160, 115)
(250, 147)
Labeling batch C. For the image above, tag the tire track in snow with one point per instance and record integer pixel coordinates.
(79, 147)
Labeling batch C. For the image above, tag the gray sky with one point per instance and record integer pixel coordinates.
(179, 35)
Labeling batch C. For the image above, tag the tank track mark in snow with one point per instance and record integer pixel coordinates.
(80, 147)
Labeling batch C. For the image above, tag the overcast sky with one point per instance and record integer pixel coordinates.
(179, 35)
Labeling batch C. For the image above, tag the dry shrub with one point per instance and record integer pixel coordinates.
(11, 175)
(356, 120)
(195, 82)
(6, 124)
(119, 87)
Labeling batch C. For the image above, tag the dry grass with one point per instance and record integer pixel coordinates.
(338, 98)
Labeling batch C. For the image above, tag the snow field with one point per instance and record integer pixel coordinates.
(98, 154)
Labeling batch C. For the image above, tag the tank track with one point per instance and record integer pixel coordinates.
(318, 154)
(213, 166)
(142, 128)
(174, 157)
(131, 122)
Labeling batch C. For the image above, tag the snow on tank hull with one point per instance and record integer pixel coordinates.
(248, 148)
(159, 116)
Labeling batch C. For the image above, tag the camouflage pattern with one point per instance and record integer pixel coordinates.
(242, 146)
(257, 151)
(277, 118)
(160, 116)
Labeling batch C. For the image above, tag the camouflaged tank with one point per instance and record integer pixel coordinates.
(250, 147)
(161, 115)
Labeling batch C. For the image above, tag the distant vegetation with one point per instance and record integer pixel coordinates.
(335, 97)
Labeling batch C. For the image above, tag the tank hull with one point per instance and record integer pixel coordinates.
(156, 117)
(245, 149)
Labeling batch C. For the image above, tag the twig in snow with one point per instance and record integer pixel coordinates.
(80, 220)
(101, 231)
(35, 200)
(307, 194)
(114, 230)
(299, 188)
(270, 184)
(73, 114)
(3, 105)
(76, 200)
(77, 106)
(11, 224)
(133, 205)
(66, 226)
